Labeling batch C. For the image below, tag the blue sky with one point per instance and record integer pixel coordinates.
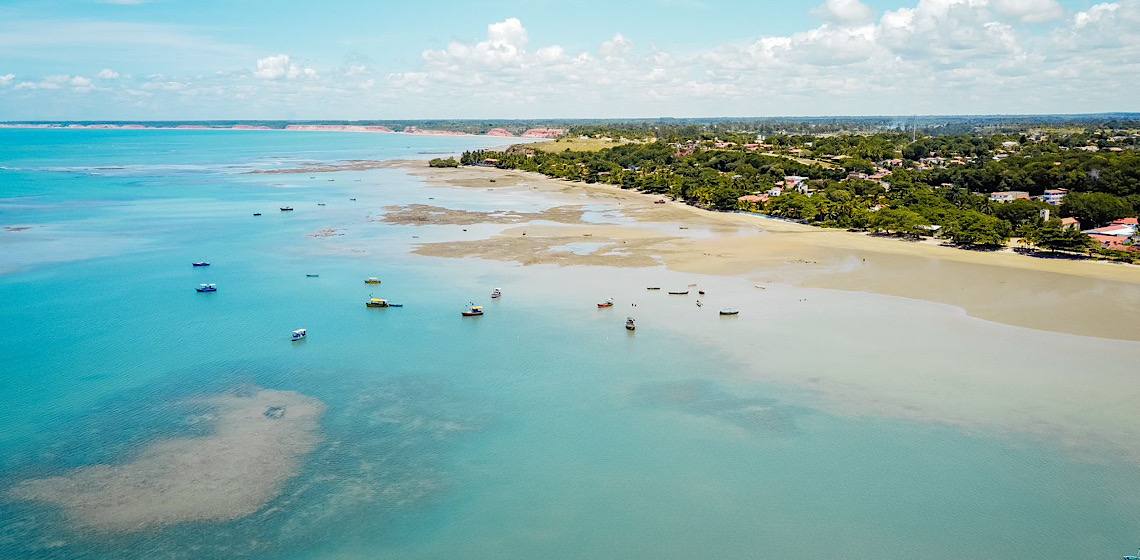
(197, 59)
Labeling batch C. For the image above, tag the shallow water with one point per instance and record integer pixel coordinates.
(542, 429)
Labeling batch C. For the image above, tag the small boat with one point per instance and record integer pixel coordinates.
(702, 292)
(377, 302)
(320, 204)
(201, 263)
(729, 311)
(372, 280)
(608, 303)
(286, 208)
(659, 201)
(299, 334)
(257, 213)
(207, 288)
(395, 305)
(699, 304)
(684, 293)
(653, 288)
(473, 311)
(353, 199)
(1131, 557)
(312, 276)
(496, 293)
(629, 324)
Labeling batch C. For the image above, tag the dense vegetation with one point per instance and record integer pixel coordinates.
(882, 182)
(440, 162)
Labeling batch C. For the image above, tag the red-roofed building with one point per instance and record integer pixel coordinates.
(1070, 223)
(1126, 222)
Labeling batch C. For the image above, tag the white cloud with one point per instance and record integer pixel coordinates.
(845, 12)
(929, 56)
(107, 74)
(281, 66)
(1030, 11)
(616, 47)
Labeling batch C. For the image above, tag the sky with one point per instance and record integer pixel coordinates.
(542, 59)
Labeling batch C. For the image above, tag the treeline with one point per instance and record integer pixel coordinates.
(951, 201)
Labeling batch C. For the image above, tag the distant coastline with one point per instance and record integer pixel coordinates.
(292, 127)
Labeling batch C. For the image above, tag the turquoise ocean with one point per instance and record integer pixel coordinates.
(541, 430)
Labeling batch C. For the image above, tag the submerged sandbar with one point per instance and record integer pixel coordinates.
(258, 442)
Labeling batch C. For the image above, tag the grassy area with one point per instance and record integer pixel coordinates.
(577, 145)
(805, 161)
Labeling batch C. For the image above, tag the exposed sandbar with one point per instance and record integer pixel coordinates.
(423, 215)
(1079, 297)
(258, 443)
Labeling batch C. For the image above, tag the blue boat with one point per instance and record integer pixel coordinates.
(201, 263)
(207, 288)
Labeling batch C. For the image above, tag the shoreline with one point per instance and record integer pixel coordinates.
(1088, 298)
(532, 134)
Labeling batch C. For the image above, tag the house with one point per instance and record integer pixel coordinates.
(1114, 242)
(775, 191)
(490, 162)
(1055, 197)
(753, 200)
(1008, 196)
(794, 182)
(1070, 223)
(1126, 222)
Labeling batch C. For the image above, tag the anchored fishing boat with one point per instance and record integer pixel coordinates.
(201, 263)
(653, 288)
(679, 293)
(286, 208)
(377, 302)
(629, 324)
(473, 311)
(729, 311)
(312, 276)
(257, 213)
(608, 303)
(496, 293)
(299, 334)
(207, 288)
(372, 280)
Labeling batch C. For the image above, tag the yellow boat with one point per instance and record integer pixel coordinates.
(377, 302)
(372, 280)
(474, 311)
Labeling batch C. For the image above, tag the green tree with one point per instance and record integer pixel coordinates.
(975, 228)
(1096, 209)
(899, 220)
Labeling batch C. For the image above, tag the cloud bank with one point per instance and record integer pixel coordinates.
(935, 56)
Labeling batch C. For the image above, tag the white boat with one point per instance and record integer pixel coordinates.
(729, 311)
(629, 324)
(299, 334)
(496, 293)
(207, 288)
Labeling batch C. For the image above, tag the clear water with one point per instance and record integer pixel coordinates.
(541, 430)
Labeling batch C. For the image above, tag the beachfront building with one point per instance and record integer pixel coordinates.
(1008, 196)
(1120, 235)
(1070, 223)
(751, 202)
(1055, 197)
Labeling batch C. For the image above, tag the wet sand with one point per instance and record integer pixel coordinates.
(259, 441)
(1078, 297)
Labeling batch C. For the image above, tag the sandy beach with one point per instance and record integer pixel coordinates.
(1078, 297)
